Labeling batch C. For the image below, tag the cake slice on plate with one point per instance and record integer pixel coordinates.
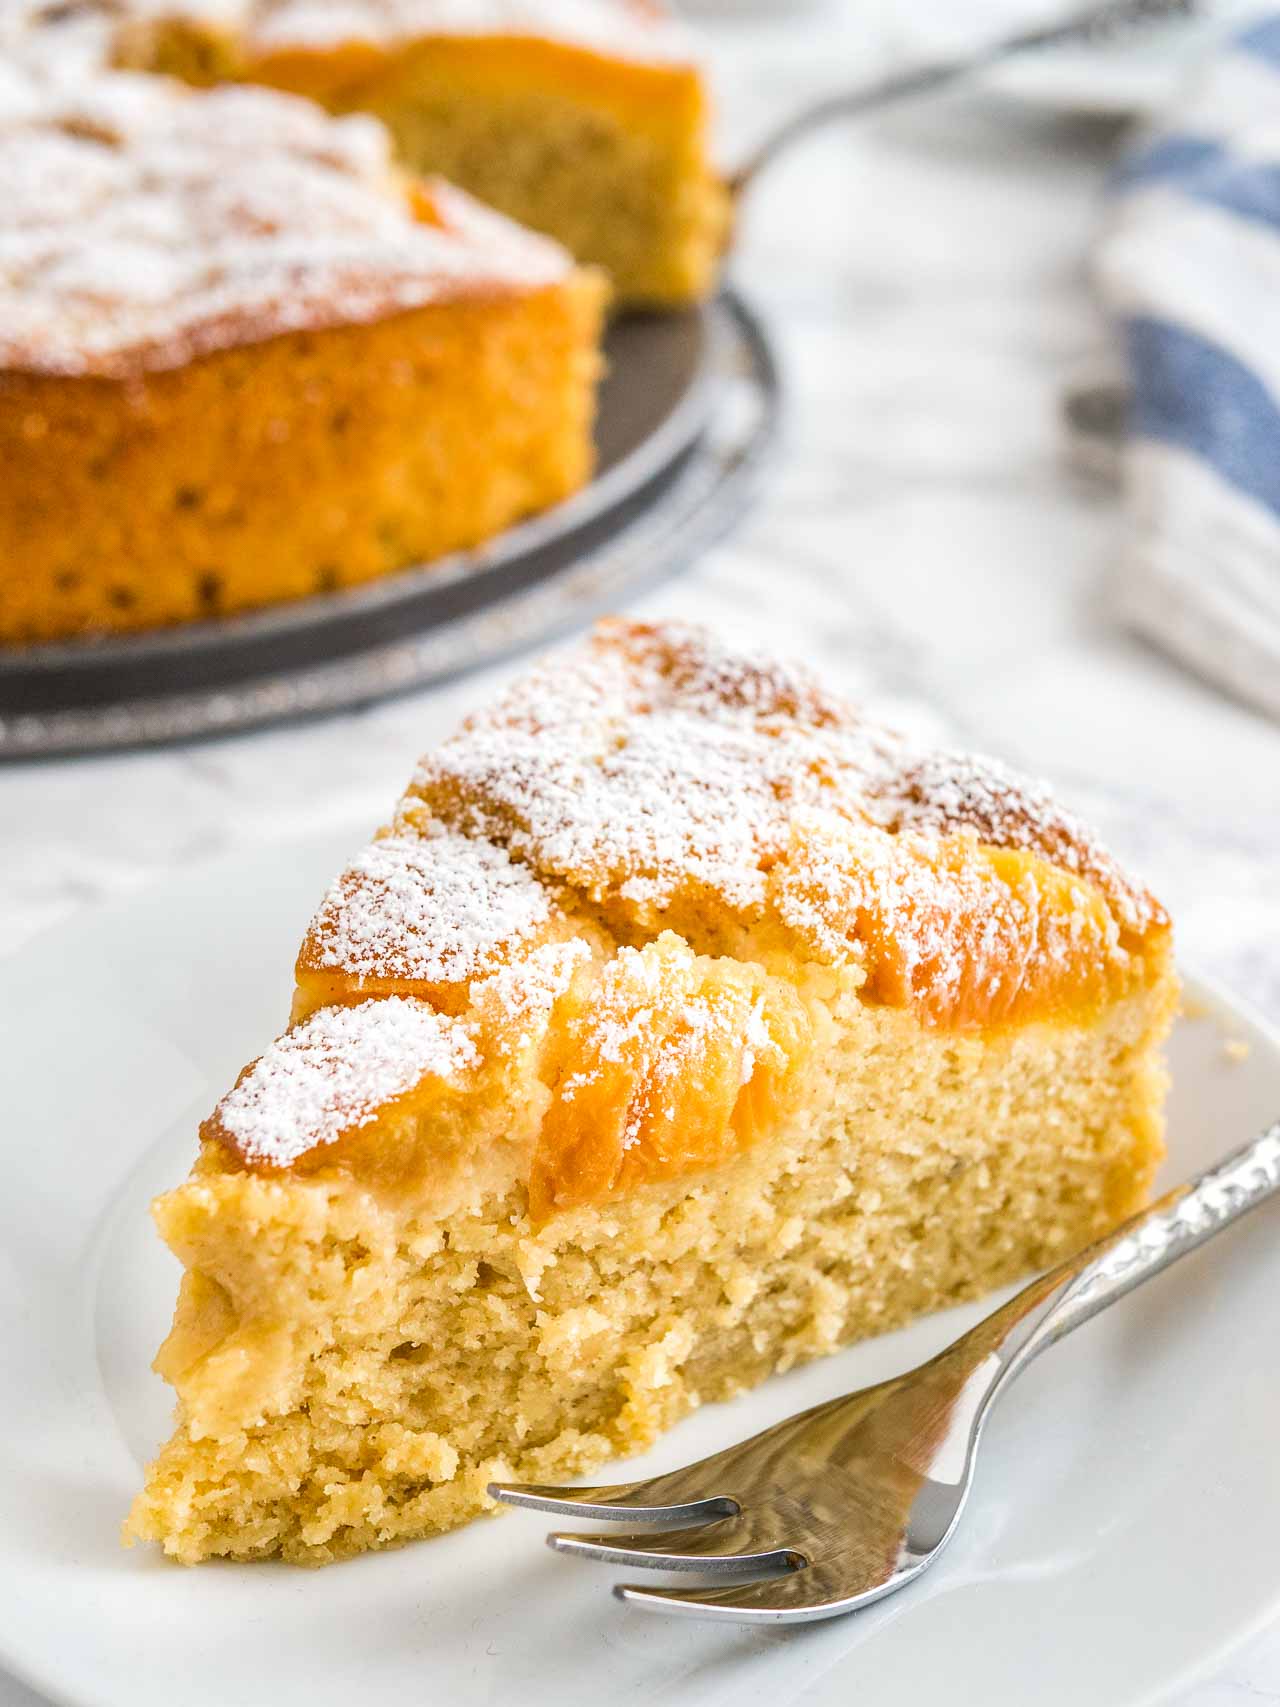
(680, 1025)
(244, 359)
(585, 119)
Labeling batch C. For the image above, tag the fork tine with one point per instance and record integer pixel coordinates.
(723, 1548)
(623, 1503)
(790, 1599)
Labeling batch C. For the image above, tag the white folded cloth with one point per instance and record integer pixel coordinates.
(1189, 265)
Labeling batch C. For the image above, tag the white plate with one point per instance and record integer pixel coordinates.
(1120, 1539)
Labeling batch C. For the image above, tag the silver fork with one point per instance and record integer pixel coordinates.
(1098, 21)
(854, 1498)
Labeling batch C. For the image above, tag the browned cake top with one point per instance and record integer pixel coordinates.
(336, 1071)
(143, 224)
(660, 765)
(620, 29)
(426, 908)
(627, 863)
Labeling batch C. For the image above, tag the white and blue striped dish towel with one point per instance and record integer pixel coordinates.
(1189, 266)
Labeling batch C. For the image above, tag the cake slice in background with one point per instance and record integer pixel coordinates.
(681, 1025)
(244, 359)
(584, 119)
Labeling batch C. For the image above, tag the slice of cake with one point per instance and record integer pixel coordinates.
(243, 359)
(681, 1025)
(585, 119)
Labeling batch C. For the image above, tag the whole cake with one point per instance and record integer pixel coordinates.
(244, 359)
(585, 119)
(680, 1025)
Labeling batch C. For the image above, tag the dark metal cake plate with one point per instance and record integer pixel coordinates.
(687, 415)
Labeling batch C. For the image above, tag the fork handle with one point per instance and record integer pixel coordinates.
(938, 74)
(1145, 1245)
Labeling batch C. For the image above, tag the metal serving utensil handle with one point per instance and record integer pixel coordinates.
(1102, 17)
(1179, 1222)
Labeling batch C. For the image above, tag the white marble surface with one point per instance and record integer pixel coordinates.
(921, 539)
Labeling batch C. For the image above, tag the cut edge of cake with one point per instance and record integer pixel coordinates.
(588, 122)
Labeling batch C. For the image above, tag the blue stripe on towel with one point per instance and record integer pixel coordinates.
(1193, 393)
(1261, 40)
(1251, 191)
(1169, 157)
(1204, 171)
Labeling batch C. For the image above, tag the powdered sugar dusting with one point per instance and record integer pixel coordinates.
(938, 793)
(64, 39)
(333, 1073)
(655, 767)
(437, 908)
(143, 223)
(756, 1040)
(655, 1018)
(519, 998)
(940, 929)
(627, 29)
(658, 765)
(702, 1028)
(651, 763)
